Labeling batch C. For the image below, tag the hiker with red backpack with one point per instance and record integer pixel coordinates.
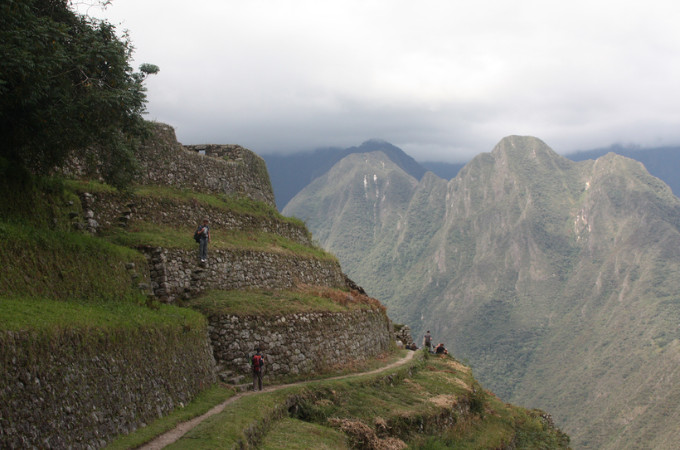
(257, 363)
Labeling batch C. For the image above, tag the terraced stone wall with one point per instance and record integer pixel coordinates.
(299, 343)
(71, 392)
(165, 162)
(177, 274)
(108, 209)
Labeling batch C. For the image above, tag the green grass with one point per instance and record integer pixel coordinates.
(274, 303)
(239, 422)
(234, 204)
(41, 202)
(239, 205)
(151, 234)
(39, 262)
(295, 434)
(90, 186)
(53, 316)
(203, 402)
(416, 403)
(141, 233)
(217, 394)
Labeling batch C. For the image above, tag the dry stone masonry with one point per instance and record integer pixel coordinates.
(176, 274)
(299, 343)
(108, 209)
(75, 393)
(165, 162)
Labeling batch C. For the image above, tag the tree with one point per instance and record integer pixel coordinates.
(66, 86)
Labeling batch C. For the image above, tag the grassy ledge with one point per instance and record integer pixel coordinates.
(231, 203)
(428, 403)
(51, 317)
(39, 262)
(203, 402)
(144, 233)
(281, 302)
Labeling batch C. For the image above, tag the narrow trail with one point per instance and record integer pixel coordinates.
(181, 429)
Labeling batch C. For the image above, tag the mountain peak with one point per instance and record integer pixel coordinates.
(397, 155)
(375, 140)
(521, 143)
(527, 153)
(374, 144)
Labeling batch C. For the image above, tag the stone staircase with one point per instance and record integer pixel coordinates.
(234, 380)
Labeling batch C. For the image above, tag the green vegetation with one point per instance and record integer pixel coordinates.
(66, 291)
(91, 318)
(145, 233)
(233, 204)
(203, 402)
(431, 403)
(293, 434)
(65, 85)
(273, 303)
(39, 262)
(41, 203)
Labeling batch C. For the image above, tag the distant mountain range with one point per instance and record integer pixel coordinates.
(662, 162)
(558, 281)
(292, 172)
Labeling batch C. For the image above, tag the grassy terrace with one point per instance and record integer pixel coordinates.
(57, 281)
(50, 316)
(411, 403)
(43, 263)
(274, 303)
(54, 278)
(145, 233)
(238, 205)
(140, 234)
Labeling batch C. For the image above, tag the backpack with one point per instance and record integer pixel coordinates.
(197, 237)
(257, 363)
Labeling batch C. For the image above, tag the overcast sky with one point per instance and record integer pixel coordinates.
(443, 80)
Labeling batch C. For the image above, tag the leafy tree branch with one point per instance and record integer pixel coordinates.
(66, 86)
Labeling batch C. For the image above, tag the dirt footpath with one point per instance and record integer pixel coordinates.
(173, 435)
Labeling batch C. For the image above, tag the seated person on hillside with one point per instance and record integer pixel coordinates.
(412, 346)
(441, 350)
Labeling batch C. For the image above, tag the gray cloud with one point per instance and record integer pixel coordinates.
(441, 79)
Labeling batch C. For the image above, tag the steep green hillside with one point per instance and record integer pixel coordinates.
(557, 280)
(661, 162)
(428, 403)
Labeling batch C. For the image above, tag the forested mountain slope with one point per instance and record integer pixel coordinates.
(662, 162)
(557, 280)
(291, 173)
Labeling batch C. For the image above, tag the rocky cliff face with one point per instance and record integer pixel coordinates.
(557, 280)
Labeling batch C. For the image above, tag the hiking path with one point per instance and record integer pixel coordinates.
(181, 429)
